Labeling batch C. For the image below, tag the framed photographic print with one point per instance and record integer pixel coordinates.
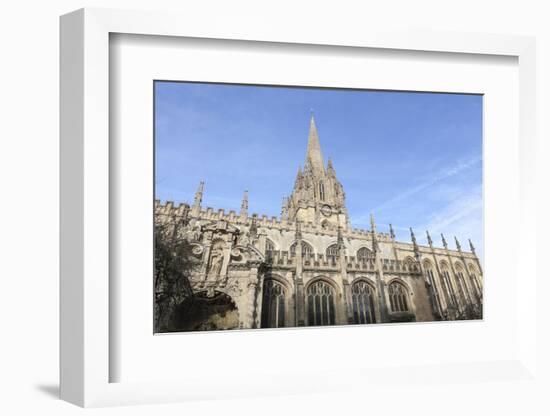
(321, 212)
(414, 156)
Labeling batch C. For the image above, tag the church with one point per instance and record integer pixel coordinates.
(310, 267)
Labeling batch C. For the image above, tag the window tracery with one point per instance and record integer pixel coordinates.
(320, 304)
(398, 297)
(273, 304)
(362, 295)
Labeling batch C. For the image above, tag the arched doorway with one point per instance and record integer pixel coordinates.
(206, 313)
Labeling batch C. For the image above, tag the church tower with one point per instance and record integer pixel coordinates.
(318, 196)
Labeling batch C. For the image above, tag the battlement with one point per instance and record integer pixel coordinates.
(276, 223)
(210, 214)
(328, 262)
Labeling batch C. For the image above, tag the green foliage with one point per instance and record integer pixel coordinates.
(174, 262)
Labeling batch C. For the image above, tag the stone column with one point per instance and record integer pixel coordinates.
(346, 289)
(298, 281)
(253, 310)
(379, 273)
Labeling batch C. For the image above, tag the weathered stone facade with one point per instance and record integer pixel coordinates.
(310, 267)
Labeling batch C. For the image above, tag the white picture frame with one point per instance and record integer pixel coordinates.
(86, 356)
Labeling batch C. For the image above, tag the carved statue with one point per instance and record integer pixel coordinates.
(216, 261)
(243, 239)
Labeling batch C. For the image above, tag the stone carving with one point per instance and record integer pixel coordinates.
(216, 259)
(197, 250)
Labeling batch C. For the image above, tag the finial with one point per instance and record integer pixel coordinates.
(244, 206)
(198, 199)
(443, 240)
(413, 237)
(430, 242)
(457, 244)
(284, 209)
(198, 194)
(392, 233)
(472, 248)
(372, 223)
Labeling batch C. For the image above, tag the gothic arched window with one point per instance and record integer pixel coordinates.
(398, 297)
(306, 249)
(431, 279)
(362, 296)
(332, 252)
(363, 254)
(465, 294)
(320, 304)
(269, 248)
(273, 305)
(475, 281)
(447, 283)
(322, 191)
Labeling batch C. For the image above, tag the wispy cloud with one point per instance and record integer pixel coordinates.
(440, 176)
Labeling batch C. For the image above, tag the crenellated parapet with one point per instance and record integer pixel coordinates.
(168, 208)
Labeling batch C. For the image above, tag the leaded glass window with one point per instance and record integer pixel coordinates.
(362, 296)
(320, 304)
(431, 279)
(332, 252)
(363, 254)
(306, 249)
(273, 305)
(450, 289)
(398, 297)
(269, 248)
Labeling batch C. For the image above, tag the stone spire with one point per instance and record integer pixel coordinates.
(198, 200)
(244, 207)
(314, 157)
(318, 196)
(392, 233)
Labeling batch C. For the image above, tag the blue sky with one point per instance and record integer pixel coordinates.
(412, 159)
